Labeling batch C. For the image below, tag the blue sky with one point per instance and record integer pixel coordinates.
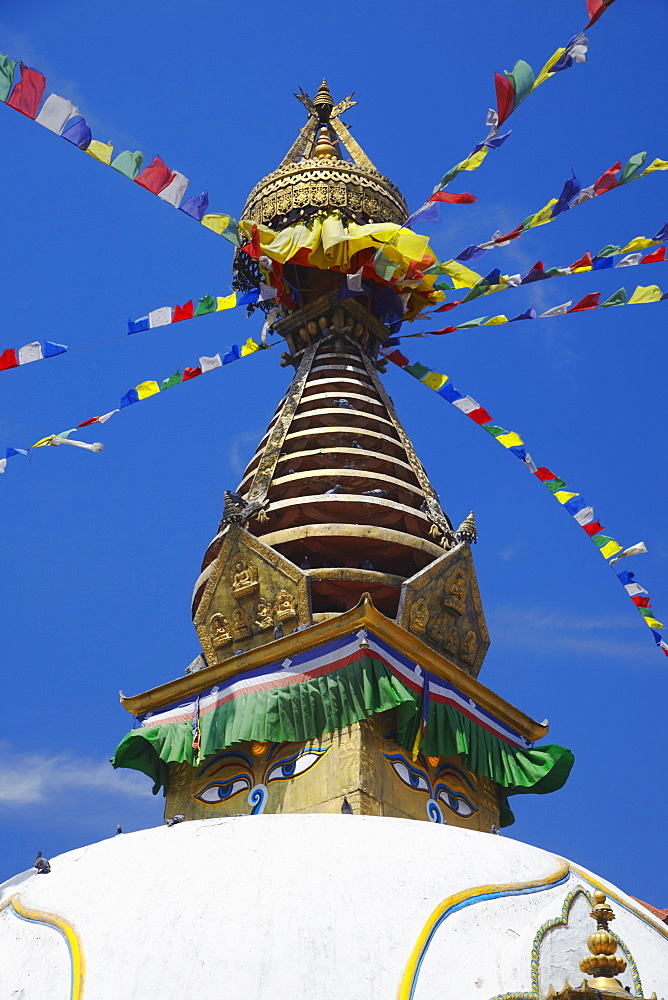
(100, 552)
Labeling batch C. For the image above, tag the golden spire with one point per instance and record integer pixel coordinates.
(323, 144)
(602, 963)
(323, 102)
(467, 532)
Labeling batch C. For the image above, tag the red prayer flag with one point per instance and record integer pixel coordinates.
(640, 601)
(183, 312)
(544, 474)
(509, 236)
(8, 359)
(505, 95)
(595, 8)
(93, 420)
(593, 528)
(585, 261)
(608, 180)
(480, 416)
(588, 302)
(156, 176)
(446, 329)
(453, 199)
(28, 92)
(191, 373)
(655, 256)
(398, 358)
(253, 249)
(448, 305)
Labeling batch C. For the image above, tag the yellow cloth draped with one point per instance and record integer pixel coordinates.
(226, 302)
(250, 347)
(146, 389)
(218, 223)
(102, 151)
(645, 293)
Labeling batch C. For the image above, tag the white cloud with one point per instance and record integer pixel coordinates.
(29, 778)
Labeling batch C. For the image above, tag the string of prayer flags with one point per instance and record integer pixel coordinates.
(431, 211)
(575, 505)
(640, 598)
(60, 116)
(616, 176)
(139, 392)
(207, 304)
(30, 352)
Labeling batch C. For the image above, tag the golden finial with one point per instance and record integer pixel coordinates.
(466, 532)
(602, 963)
(323, 144)
(323, 102)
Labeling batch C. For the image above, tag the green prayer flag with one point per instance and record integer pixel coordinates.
(417, 370)
(442, 286)
(522, 79)
(172, 380)
(7, 67)
(232, 234)
(494, 430)
(383, 266)
(207, 304)
(632, 168)
(608, 251)
(555, 484)
(617, 298)
(128, 163)
(602, 540)
(477, 290)
(446, 178)
(472, 322)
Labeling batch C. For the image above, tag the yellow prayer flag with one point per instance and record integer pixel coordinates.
(473, 162)
(510, 440)
(218, 223)
(145, 389)
(577, 270)
(638, 243)
(653, 623)
(435, 380)
(544, 215)
(496, 320)
(102, 151)
(226, 302)
(546, 70)
(648, 293)
(610, 549)
(462, 277)
(43, 442)
(249, 347)
(655, 165)
(563, 496)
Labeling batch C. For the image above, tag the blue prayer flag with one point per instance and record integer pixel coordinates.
(471, 253)
(248, 297)
(10, 452)
(575, 505)
(497, 141)
(131, 396)
(78, 132)
(662, 233)
(600, 263)
(449, 392)
(137, 325)
(196, 206)
(528, 314)
(428, 213)
(51, 349)
(570, 189)
(626, 577)
(232, 355)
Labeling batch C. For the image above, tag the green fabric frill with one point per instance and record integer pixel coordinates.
(324, 704)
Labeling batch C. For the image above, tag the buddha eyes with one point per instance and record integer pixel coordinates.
(221, 791)
(455, 801)
(300, 762)
(409, 775)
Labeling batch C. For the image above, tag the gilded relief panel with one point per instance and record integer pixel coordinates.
(441, 606)
(251, 591)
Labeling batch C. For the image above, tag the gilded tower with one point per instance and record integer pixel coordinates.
(337, 607)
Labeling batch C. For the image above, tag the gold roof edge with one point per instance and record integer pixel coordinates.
(363, 615)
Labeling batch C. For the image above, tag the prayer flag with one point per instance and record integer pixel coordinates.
(480, 416)
(554, 485)
(630, 260)
(43, 442)
(7, 68)
(417, 370)
(608, 251)
(169, 382)
(496, 320)
(384, 266)
(429, 212)
(106, 416)
(450, 393)
(544, 474)
(645, 294)
(208, 364)
(216, 223)
(397, 358)
(226, 302)
(51, 349)
(649, 619)
(510, 440)
(183, 312)
(128, 164)
(129, 398)
(78, 133)
(160, 317)
(537, 273)
(603, 541)
(466, 404)
(55, 113)
(462, 277)
(137, 325)
(191, 373)
(595, 8)
(570, 189)
(638, 600)
(102, 151)
(155, 177)
(3, 465)
(250, 347)
(588, 302)
(657, 638)
(207, 304)
(469, 324)
(471, 253)
(354, 281)
(196, 206)
(235, 354)
(31, 352)
(655, 257)
(656, 165)
(593, 528)
(608, 180)
(174, 191)
(633, 550)
(638, 243)
(575, 505)
(557, 310)
(505, 96)
(583, 264)
(527, 314)
(563, 496)
(584, 516)
(267, 292)
(602, 263)
(8, 359)
(617, 298)
(493, 429)
(10, 452)
(453, 199)
(146, 389)
(523, 81)
(28, 92)
(632, 169)
(434, 380)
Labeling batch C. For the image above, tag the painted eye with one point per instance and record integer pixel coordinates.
(295, 765)
(219, 791)
(409, 776)
(457, 802)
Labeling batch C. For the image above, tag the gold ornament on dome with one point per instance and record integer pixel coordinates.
(244, 579)
(219, 630)
(602, 963)
(265, 615)
(469, 647)
(454, 592)
(285, 607)
(419, 616)
(240, 627)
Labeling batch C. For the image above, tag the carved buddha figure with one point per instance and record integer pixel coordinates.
(285, 607)
(219, 629)
(451, 640)
(454, 592)
(419, 616)
(469, 647)
(244, 578)
(240, 629)
(265, 615)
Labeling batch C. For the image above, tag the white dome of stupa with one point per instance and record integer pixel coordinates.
(293, 907)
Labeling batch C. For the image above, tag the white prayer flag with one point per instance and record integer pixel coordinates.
(633, 550)
(513, 280)
(160, 317)
(585, 195)
(629, 260)
(467, 404)
(529, 462)
(354, 281)
(3, 463)
(634, 589)
(103, 420)
(55, 113)
(267, 292)
(557, 310)
(31, 352)
(175, 190)
(207, 364)
(585, 516)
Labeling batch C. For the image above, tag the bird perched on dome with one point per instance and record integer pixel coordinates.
(41, 864)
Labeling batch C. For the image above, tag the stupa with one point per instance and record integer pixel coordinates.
(335, 773)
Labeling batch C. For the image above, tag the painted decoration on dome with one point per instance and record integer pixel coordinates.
(449, 790)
